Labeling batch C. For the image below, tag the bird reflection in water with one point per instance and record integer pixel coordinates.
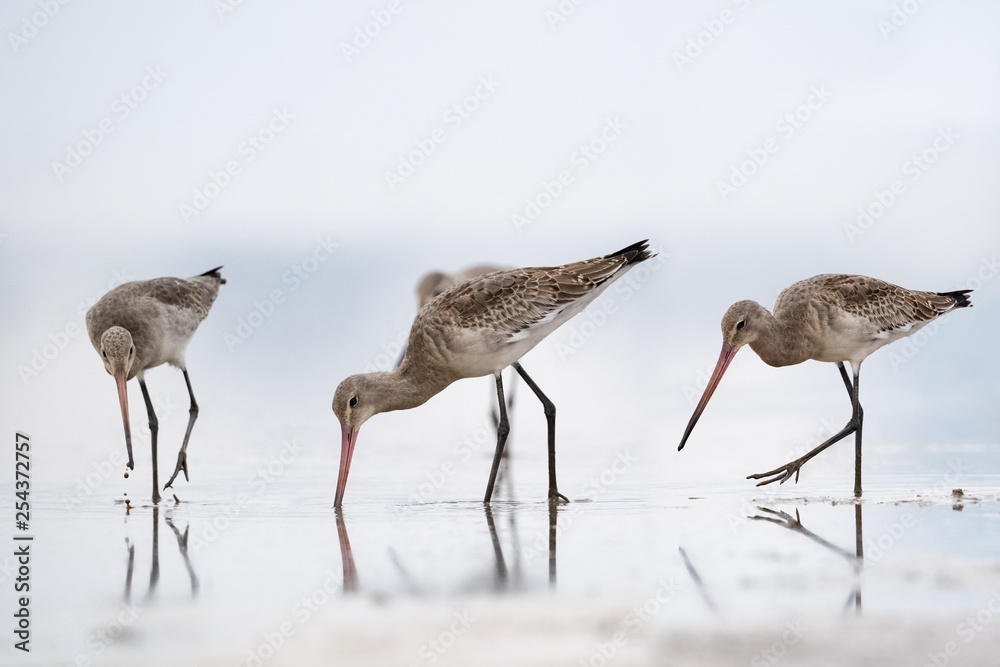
(154, 570)
(786, 520)
(346, 557)
(696, 578)
(502, 579)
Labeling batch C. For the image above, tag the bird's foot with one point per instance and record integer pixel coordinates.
(557, 498)
(782, 474)
(779, 517)
(182, 464)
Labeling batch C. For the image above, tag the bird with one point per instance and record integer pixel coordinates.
(145, 323)
(477, 328)
(833, 318)
(436, 282)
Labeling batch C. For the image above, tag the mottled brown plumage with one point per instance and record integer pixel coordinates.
(833, 318)
(478, 328)
(437, 282)
(146, 323)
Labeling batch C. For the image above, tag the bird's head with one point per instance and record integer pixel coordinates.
(430, 286)
(118, 352)
(354, 403)
(118, 355)
(740, 326)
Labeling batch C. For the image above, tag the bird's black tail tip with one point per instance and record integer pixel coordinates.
(214, 273)
(961, 297)
(637, 252)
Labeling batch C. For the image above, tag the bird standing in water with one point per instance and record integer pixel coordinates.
(478, 328)
(146, 323)
(830, 317)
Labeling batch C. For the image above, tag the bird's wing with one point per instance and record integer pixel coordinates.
(194, 296)
(889, 307)
(512, 302)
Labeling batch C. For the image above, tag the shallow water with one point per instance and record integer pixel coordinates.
(253, 566)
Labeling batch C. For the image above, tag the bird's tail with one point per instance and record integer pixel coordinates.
(214, 273)
(961, 297)
(635, 253)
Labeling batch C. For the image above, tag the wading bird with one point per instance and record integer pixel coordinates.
(437, 282)
(478, 328)
(833, 318)
(146, 323)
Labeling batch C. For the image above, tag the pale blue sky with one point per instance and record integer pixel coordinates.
(308, 136)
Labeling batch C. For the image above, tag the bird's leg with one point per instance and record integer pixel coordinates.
(182, 456)
(128, 572)
(859, 415)
(553, 535)
(154, 425)
(550, 417)
(503, 428)
(847, 380)
(856, 406)
(154, 570)
(182, 545)
(495, 416)
(501, 574)
(785, 472)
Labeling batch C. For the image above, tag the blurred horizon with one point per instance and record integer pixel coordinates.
(796, 141)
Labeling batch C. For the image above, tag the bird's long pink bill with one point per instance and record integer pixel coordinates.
(728, 352)
(349, 437)
(120, 380)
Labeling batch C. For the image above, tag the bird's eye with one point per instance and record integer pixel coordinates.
(741, 324)
(104, 353)
(353, 401)
(131, 350)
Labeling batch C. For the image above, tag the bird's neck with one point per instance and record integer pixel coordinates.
(403, 389)
(778, 344)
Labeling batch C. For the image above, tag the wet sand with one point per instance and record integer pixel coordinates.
(260, 570)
